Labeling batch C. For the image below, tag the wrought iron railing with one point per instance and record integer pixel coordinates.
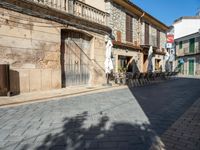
(194, 51)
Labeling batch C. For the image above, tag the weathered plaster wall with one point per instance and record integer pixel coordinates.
(32, 48)
(98, 59)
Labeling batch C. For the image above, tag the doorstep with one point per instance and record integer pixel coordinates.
(41, 96)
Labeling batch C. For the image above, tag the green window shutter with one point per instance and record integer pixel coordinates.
(180, 45)
(191, 67)
(192, 45)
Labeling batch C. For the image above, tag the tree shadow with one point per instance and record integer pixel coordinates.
(164, 103)
(118, 136)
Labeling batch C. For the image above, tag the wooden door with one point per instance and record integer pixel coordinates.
(75, 64)
(191, 67)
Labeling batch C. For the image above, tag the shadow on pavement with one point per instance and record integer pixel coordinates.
(165, 103)
(162, 103)
(120, 136)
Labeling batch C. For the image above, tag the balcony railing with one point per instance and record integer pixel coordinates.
(187, 50)
(76, 8)
(90, 13)
(57, 4)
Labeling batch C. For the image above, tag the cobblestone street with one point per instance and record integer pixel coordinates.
(162, 115)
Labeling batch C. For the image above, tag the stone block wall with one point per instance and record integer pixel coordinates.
(153, 36)
(32, 48)
(117, 20)
(135, 30)
(163, 39)
(142, 33)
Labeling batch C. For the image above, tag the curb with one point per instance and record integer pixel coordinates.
(55, 97)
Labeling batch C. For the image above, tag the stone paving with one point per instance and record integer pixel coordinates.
(184, 134)
(123, 119)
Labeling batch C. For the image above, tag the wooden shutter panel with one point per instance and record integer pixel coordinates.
(129, 28)
(119, 36)
(146, 34)
(192, 45)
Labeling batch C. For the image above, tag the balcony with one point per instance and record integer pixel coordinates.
(57, 4)
(188, 52)
(90, 13)
(76, 8)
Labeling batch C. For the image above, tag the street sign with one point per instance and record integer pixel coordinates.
(168, 45)
(170, 38)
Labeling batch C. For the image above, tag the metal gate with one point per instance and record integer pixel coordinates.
(76, 62)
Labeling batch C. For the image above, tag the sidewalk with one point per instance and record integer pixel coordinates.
(189, 76)
(53, 94)
(184, 134)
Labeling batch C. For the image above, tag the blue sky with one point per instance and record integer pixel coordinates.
(169, 10)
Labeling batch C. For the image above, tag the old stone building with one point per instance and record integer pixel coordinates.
(52, 44)
(135, 31)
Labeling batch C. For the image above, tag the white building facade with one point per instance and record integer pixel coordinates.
(187, 44)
